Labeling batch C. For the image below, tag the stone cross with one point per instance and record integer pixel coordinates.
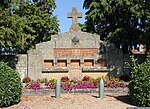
(74, 15)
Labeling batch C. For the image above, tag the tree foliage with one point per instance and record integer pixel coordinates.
(123, 22)
(26, 23)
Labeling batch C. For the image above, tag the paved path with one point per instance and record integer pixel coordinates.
(73, 101)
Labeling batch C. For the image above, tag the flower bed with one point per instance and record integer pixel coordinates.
(87, 84)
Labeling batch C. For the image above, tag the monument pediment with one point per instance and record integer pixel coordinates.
(67, 40)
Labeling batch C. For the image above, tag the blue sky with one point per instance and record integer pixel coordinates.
(65, 6)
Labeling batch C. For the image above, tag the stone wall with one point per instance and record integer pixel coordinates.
(19, 62)
(22, 65)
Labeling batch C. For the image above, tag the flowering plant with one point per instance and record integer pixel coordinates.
(75, 83)
(53, 80)
(65, 79)
(86, 82)
(34, 85)
(115, 83)
(42, 80)
(50, 85)
(25, 107)
(86, 78)
(26, 79)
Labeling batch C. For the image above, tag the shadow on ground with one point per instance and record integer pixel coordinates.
(123, 98)
(95, 96)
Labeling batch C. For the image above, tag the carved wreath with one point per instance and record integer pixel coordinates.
(75, 40)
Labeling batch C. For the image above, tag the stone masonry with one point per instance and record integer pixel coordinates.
(22, 65)
(73, 54)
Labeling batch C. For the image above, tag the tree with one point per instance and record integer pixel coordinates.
(13, 33)
(122, 22)
(26, 23)
(11, 28)
(41, 18)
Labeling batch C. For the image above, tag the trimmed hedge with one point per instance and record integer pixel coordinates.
(10, 85)
(139, 84)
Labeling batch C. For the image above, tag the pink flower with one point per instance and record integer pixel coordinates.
(36, 81)
(78, 86)
(74, 87)
(75, 79)
(25, 107)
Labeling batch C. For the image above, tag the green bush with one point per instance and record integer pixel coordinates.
(139, 84)
(10, 86)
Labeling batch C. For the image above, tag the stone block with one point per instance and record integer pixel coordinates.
(138, 107)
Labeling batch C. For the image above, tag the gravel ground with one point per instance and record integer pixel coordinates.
(73, 101)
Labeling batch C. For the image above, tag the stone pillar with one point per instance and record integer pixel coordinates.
(57, 90)
(82, 62)
(68, 62)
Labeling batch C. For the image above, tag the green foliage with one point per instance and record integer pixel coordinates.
(15, 32)
(139, 84)
(125, 22)
(10, 85)
(26, 23)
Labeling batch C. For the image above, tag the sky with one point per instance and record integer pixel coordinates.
(65, 6)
